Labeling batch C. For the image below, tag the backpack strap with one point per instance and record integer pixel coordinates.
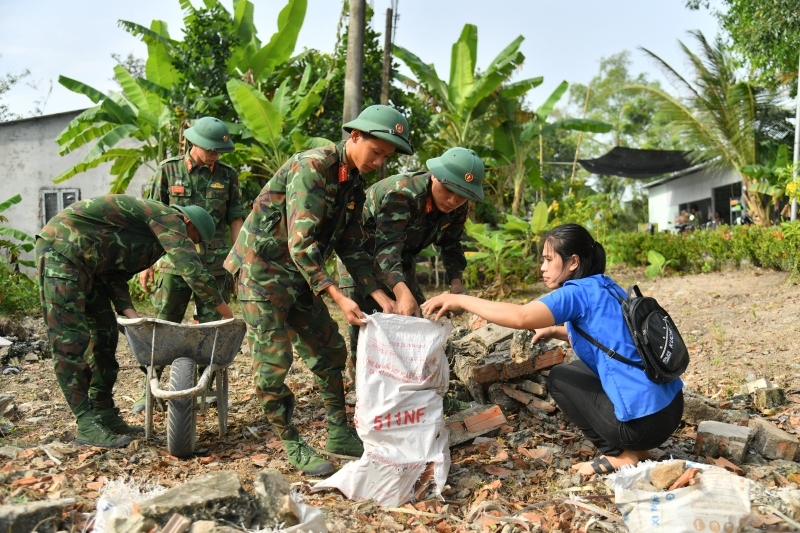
(634, 292)
(608, 351)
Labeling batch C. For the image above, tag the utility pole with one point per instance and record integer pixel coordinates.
(386, 78)
(796, 157)
(354, 69)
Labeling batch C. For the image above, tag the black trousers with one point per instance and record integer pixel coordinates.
(579, 395)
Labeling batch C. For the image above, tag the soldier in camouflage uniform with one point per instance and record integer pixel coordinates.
(309, 209)
(405, 214)
(198, 178)
(86, 254)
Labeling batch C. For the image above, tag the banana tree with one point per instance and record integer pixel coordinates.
(463, 101)
(515, 131)
(497, 250)
(138, 114)
(274, 126)
(14, 249)
(144, 115)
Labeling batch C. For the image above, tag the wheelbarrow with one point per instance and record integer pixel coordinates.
(156, 342)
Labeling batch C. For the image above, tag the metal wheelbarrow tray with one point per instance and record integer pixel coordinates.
(156, 342)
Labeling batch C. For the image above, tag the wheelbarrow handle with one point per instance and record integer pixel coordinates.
(202, 384)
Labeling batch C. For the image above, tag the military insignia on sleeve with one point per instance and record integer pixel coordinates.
(398, 128)
(216, 185)
(178, 189)
(351, 205)
(468, 177)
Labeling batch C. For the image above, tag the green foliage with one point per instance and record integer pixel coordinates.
(658, 264)
(202, 59)
(19, 294)
(510, 252)
(722, 118)
(493, 259)
(137, 292)
(775, 247)
(631, 115)
(463, 101)
(765, 33)
(10, 249)
(327, 120)
(182, 80)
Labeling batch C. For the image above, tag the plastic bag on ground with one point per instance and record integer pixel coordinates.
(719, 501)
(401, 376)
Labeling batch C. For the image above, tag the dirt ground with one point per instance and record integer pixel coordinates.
(741, 325)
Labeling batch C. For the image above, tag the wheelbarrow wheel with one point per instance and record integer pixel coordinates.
(180, 414)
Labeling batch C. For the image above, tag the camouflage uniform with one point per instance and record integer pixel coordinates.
(308, 210)
(400, 219)
(86, 254)
(181, 181)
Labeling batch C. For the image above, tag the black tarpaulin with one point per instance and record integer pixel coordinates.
(637, 164)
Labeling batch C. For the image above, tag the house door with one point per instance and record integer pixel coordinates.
(722, 197)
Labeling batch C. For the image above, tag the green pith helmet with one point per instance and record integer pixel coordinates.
(210, 134)
(201, 219)
(461, 171)
(386, 123)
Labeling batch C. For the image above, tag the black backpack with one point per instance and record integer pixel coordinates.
(655, 335)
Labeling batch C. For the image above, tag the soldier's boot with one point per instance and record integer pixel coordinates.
(303, 457)
(108, 415)
(139, 406)
(343, 440)
(92, 432)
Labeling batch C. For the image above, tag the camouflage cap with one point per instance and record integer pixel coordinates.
(461, 171)
(210, 134)
(385, 123)
(201, 219)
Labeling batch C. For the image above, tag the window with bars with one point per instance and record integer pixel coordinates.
(54, 200)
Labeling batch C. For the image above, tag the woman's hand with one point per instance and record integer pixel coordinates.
(552, 332)
(543, 334)
(444, 302)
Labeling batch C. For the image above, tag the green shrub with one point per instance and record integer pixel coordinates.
(19, 294)
(775, 247)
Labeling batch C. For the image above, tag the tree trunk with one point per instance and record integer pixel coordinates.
(354, 68)
(519, 194)
(756, 209)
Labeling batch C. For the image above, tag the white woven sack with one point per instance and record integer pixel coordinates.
(401, 376)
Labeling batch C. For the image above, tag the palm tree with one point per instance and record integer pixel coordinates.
(462, 102)
(720, 116)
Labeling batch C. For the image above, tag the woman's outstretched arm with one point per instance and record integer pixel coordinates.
(532, 315)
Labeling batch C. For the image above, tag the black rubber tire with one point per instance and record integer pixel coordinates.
(180, 414)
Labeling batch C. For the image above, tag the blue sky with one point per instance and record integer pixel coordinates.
(564, 40)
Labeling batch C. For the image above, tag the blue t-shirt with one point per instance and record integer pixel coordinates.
(589, 303)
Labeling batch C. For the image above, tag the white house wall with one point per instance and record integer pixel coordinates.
(30, 158)
(665, 198)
